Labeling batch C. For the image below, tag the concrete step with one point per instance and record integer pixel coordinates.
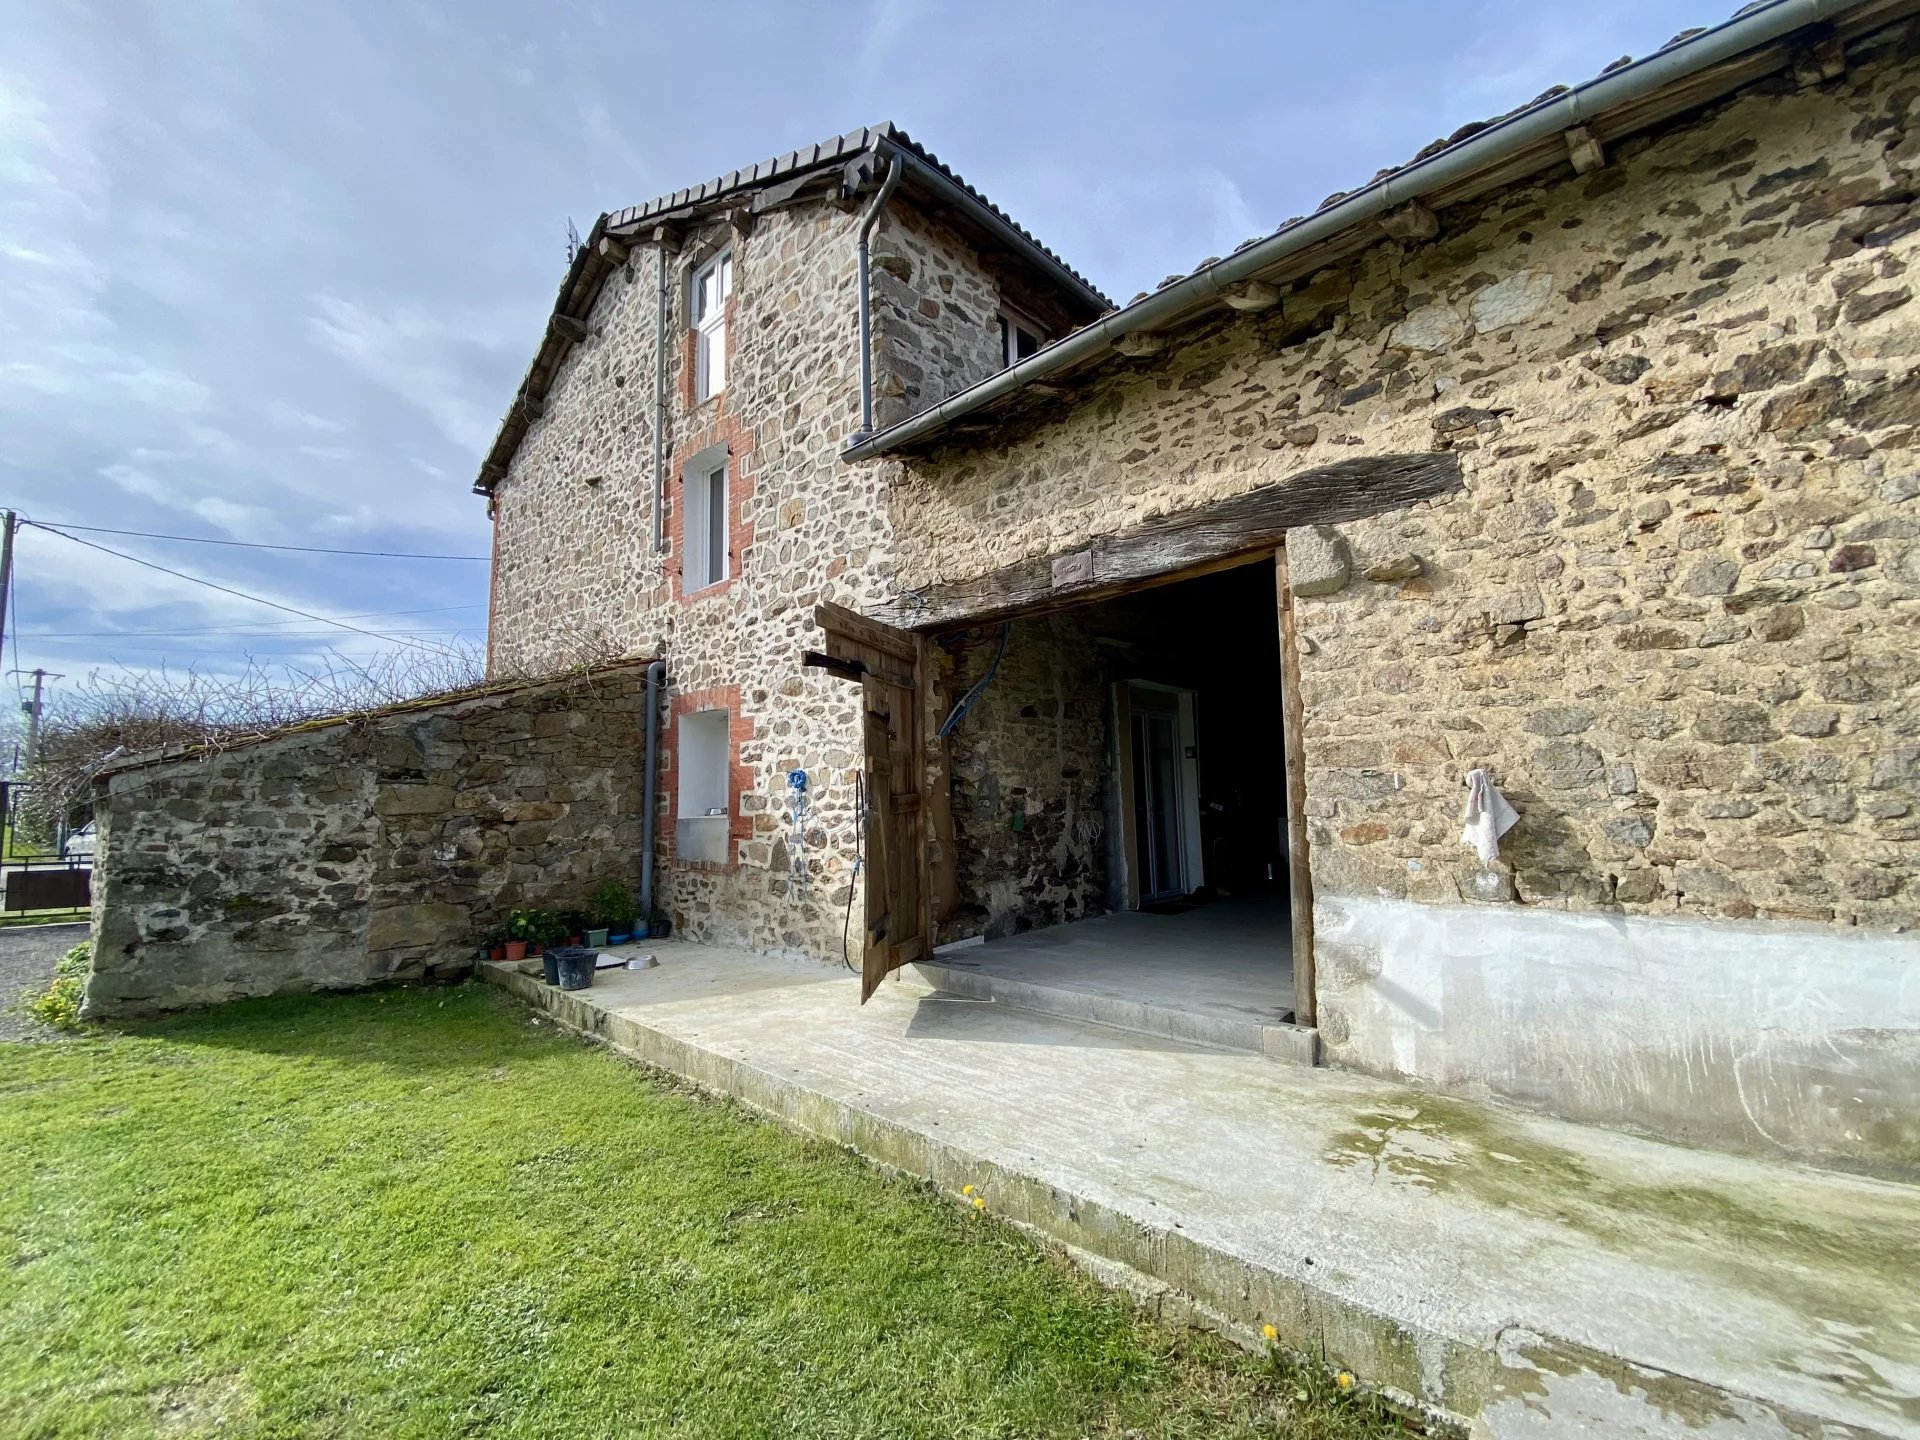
(1295, 1044)
(1510, 1274)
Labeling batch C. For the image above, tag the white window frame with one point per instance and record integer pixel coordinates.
(707, 308)
(705, 489)
(1011, 322)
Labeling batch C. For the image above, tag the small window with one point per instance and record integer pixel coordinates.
(1019, 338)
(705, 530)
(705, 802)
(703, 765)
(712, 284)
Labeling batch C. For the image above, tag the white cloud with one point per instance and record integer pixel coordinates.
(416, 354)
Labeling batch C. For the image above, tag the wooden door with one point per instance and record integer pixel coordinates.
(886, 663)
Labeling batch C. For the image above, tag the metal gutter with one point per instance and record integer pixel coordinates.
(1503, 140)
(660, 396)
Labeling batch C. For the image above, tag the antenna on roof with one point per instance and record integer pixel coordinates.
(573, 240)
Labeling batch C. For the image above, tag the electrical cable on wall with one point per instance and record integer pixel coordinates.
(968, 700)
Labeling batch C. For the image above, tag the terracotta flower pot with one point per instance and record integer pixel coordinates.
(499, 952)
(516, 949)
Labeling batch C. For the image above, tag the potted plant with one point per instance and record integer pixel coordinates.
(493, 944)
(519, 934)
(575, 924)
(613, 906)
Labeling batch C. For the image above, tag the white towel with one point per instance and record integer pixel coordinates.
(1488, 816)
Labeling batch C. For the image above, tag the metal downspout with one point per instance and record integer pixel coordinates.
(1751, 29)
(867, 222)
(660, 406)
(656, 673)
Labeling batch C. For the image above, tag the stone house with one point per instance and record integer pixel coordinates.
(1134, 657)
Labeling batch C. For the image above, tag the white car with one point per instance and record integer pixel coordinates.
(79, 844)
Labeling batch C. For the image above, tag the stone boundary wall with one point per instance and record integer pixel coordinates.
(364, 852)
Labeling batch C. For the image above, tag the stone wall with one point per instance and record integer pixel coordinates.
(1672, 610)
(366, 851)
(1031, 778)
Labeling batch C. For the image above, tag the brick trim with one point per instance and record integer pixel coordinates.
(718, 426)
(740, 730)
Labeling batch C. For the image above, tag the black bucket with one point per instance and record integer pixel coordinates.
(575, 964)
(550, 965)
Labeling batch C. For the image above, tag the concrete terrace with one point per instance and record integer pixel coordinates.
(1518, 1274)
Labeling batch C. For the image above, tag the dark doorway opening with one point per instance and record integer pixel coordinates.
(1119, 802)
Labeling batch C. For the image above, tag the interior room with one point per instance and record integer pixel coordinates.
(1119, 800)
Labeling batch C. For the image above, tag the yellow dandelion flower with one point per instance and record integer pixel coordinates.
(1271, 1333)
(967, 1190)
(1344, 1380)
(978, 1203)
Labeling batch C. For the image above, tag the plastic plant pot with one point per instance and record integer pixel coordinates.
(516, 949)
(550, 965)
(575, 964)
(596, 939)
(618, 937)
(640, 930)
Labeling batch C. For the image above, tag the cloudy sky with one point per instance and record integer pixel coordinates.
(271, 272)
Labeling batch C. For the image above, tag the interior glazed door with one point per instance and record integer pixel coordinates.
(885, 661)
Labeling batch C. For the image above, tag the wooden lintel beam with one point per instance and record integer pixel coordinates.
(1140, 342)
(1171, 546)
(613, 251)
(741, 219)
(569, 327)
(1584, 150)
(1251, 295)
(1412, 221)
(533, 406)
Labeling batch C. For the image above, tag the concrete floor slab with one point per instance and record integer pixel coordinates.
(1518, 1274)
(1218, 974)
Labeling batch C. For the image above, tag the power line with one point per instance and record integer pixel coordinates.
(229, 590)
(252, 544)
(265, 633)
(268, 628)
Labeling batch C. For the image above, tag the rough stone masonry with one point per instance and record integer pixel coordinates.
(1673, 611)
(365, 851)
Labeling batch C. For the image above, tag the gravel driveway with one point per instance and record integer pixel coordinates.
(28, 954)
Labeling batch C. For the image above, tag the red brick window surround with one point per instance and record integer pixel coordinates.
(702, 763)
(723, 440)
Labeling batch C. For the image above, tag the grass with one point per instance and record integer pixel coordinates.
(422, 1213)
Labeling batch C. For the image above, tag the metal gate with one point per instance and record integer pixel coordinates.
(41, 877)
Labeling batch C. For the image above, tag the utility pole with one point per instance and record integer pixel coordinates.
(6, 572)
(32, 707)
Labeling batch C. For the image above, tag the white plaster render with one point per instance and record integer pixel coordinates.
(1794, 1038)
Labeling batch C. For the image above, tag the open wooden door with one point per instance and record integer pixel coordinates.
(886, 663)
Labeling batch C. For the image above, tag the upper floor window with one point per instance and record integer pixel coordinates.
(1019, 338)
(705, 527)
(712, 283)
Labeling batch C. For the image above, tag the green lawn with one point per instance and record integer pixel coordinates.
(421, 1213)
